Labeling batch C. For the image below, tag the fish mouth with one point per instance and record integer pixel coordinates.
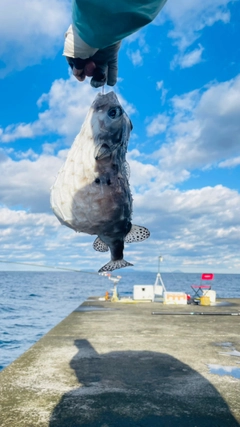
(105, 99)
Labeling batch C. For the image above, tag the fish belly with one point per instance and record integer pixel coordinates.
(82, 204)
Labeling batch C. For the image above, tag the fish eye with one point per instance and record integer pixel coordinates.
(115, 112)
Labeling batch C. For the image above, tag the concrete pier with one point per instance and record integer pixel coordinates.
(118, 365)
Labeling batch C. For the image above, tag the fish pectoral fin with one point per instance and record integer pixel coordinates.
(99, 245)
(103, 152)
(136, 234)
(114, 265)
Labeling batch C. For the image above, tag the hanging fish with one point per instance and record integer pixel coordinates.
(91, 193)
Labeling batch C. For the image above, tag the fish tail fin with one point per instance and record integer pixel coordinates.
(114, 265)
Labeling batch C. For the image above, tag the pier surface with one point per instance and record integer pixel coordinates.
(118, 365)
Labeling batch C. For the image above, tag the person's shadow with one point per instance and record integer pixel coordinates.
(138, 388)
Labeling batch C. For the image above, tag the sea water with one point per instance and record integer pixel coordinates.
(31, 303)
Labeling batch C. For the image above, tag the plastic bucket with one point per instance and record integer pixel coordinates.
(204, 300)
(211, 294)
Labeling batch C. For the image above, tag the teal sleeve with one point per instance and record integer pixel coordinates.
(101, 23)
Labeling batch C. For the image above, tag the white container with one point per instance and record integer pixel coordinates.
(174, 298)
(211, 294)
(143, 292)
(158, 290)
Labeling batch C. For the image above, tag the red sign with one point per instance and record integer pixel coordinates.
(207, 276)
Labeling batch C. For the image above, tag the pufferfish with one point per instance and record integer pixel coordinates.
(91, 193)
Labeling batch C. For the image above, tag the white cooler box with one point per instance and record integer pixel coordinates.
(174, 298)
(143, 292)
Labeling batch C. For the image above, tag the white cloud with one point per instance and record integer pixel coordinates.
(161, 88)
(139, 39)
(139, 47)
(23, 234)
(27, 182)
(129, 108)
(230, 163)
(135, 57)
(33, 237)
(185, 103)
(22, 218)
(200, 226)
(187, 60)
(159, 85)
(189, 18)
(138, 36)
(158, 125)
(205, 129)
(145, 176)
(31, 30)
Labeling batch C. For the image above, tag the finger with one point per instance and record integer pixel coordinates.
(79, 74)
(89, 68)
(113, 64)
(112, 73)
(80, 78)
(99, 76)
(77, 63)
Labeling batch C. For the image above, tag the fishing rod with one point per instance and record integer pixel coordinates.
(47, 266)
(193, 313)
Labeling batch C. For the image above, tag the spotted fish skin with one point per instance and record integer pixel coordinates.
(91, 193)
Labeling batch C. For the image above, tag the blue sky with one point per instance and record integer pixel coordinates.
(179, 81)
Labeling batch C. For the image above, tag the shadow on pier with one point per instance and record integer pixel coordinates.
(123, 389)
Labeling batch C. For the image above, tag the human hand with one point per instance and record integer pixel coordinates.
(102, 66)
